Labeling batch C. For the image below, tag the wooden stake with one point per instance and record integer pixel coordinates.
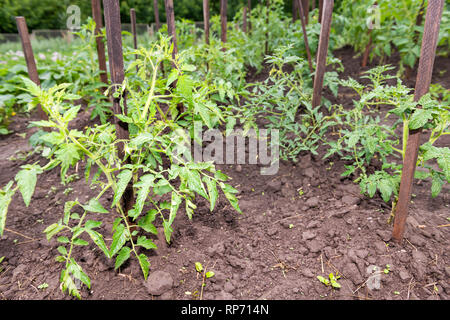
(305, 36)
(29, 59)
(294, 10)
(249, 8)
(305, 11)
(206, 20)
(424, 74)
(156, 11)
(244, 19)
(367, 51)
(116, 67)
(170, 18)
(223, 20)
(322, 51)
(320, 10)
(266, 49)
(97, 16)
(134, 32)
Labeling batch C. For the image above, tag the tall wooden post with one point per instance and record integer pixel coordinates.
(134, 31)
(97, 16)
(206, 20)
(266, 49)
(294, 10)
(29, 59)
(424, 73)
(244, 19)
(170, 18)
(156, 11)
(305, 36)
(320, 10)
(305, 11)
(223, 21)
(249, 9)
(322, 51)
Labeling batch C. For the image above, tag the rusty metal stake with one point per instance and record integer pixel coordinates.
(424, 74)
(305, 36)
(322, 51)
(97, 16)
(29, 59)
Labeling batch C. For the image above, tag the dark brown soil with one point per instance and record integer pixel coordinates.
(275, 250)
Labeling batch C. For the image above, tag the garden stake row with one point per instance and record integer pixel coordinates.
(424, 73)
(223, 22)
(133, 31)
(322, 51)
(206, 20)
(156, 10)
(305, 36)
(29, 58)
(116, 66)
(97, 16)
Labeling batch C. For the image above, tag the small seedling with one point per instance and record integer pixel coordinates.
(43, 286)
(206, 275)
(396, 292)
(331, 281)
(300, 191)
(291, 226)
(1, 260)
(387, 269)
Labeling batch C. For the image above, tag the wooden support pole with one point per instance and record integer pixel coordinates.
(322, 51)
(266, 46)
(97, 16)
(170, 18)
(305, 11)
(313, 5)
(424, 74)
(320, 10)
(305, 36)
(116, 66)
(223, 21)
(365, 58)
(249, 10)
(244, 19)
(156, 11)
(29, 59)
(134, 32)
(206, 20)
(294, 10)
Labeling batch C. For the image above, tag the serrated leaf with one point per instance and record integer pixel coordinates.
(53, 229)
(123, 178)
(80, 242)
(94, 206)
(5, 199)
(120, 236)
(146, 222)
(26, 180)
(144, 185)
(145, 265)
(98, 240)
(212, 191)
(174, 205)
(419, 118)
(123, 256)
(146, 243)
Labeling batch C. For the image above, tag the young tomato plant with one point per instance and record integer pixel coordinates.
(364, 138)
(161, 180)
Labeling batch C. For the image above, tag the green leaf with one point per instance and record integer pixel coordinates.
(323, 280)
(98, 240)
(80, 242)
(5, 199)
(210, 274)
(436, 185)
(194, 181)
(67, 210)
(146, 222)
(198, 267)
(146, 243)
(123, 178)
(212, 191)
(419, 118)
(94, 206)
(188, 67)
(145, 265)
(229, 194)
(26, 180)
(31, 87)
(91, 224)
(144, 185)
(120, 236)
(53, 229)
(174, 205)
(123, 256)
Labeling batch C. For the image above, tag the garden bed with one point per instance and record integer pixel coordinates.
(305, 221)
